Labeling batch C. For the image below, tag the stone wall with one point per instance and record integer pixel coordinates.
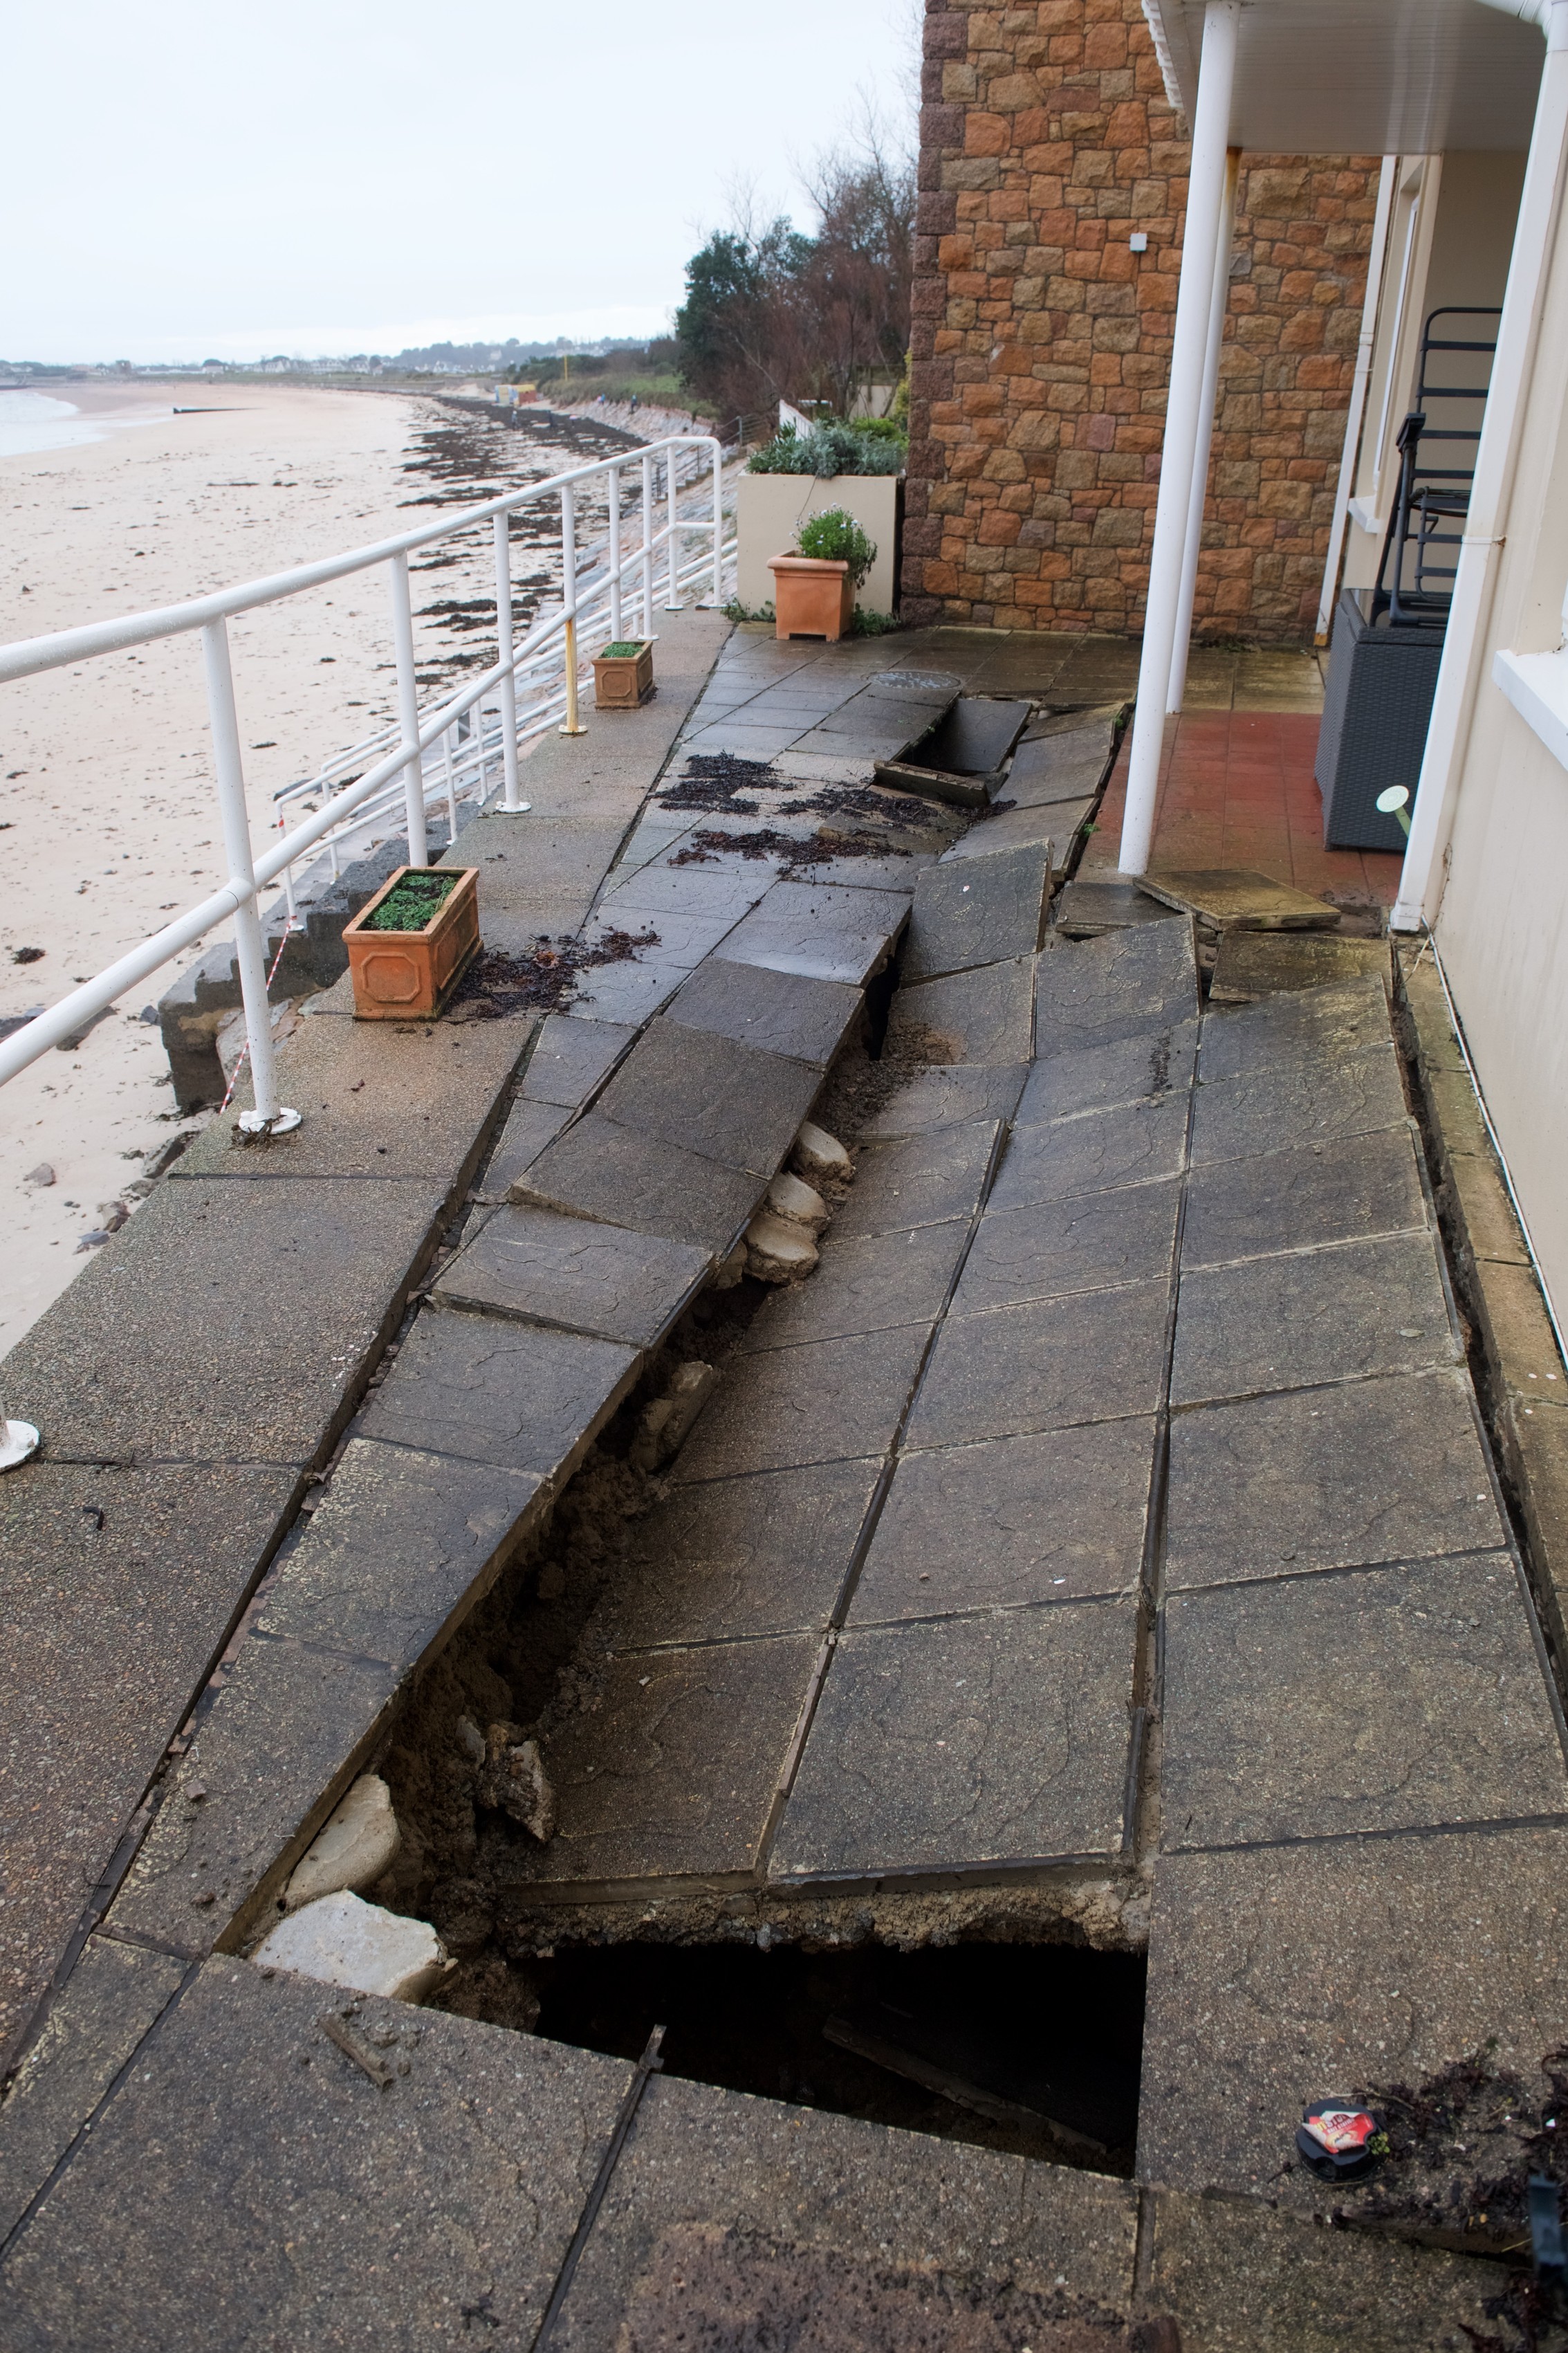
(1041, 341)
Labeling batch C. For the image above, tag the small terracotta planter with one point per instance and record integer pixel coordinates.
(404, 975)
(623, 675)
(813, 596)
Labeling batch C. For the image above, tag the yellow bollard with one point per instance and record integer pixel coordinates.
(572, 725)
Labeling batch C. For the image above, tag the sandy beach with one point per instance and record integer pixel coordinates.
(108, 821)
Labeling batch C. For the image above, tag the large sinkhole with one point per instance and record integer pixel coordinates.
(1034, 2049)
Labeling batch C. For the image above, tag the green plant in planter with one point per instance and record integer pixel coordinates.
(834, 537)
(831, 448)
(414, 904)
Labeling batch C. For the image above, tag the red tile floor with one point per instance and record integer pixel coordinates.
(1236, 790)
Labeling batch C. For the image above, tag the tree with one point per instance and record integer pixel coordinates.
(738, 334)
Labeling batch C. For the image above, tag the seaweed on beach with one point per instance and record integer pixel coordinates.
(543, 978)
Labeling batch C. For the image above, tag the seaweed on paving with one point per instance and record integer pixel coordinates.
(1462, 2147)
(819, 849)
(542, 979)
(715, 782)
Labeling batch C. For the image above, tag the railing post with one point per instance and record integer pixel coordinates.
(646, 545)
(268, 1117)
(510, 805)
(614, 480)
(408, 711)
(572, 725)
(718, 522)
(672, 594)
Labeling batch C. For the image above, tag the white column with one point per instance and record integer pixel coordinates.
(249, 950)
(1465, 644)
(511, 803)
(1206, 197)
(408, 711)
(1210, 394)
(1366, 343)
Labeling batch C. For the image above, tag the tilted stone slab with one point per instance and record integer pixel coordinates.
(866, 1283)
(965, 1741)
(1058, 767)
(1335, 1478)
(483, 1389)
(1331, 1315)
(1094, 1356)
(825, 933)
(572, 1058)
(212, 2187)
(1131, 1145)
(977, 910)
(779, 1012)
(1253, 965)
(603, 1171)
(1442, 1661)
(628, 993)
(403, 1543)
(1134, 1069)
(1009, 1521)
(577, 1276)
(922, 1180)
(1050, 1247)
(1312, 1026)
(1097, 903)
(673, 1771)
(946, 1096)
(984, 1016)
(826, 1401)
(1326, 1192)
(529, 1126)
(713, 1095)
(1020, 828)
(738, 1557)
(1304, 1100)
(1124, 985)
(1232, 900)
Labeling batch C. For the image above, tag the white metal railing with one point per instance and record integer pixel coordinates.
(549, 648)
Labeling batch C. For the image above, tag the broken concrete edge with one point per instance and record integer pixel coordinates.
(1511, 1340)
(1072, 853)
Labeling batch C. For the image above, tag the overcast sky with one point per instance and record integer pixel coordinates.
(194, 178)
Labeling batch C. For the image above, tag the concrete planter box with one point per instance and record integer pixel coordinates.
(406, 975)
(624, 681)
(812, 595)
(771, 509)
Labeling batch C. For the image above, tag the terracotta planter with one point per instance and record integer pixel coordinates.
(406, 975)
(813, 597)
(624, 681)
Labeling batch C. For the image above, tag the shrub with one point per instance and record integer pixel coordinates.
(834, 537)
(828, 449)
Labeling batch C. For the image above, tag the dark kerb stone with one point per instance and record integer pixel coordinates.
(782, 1012)
(1317, 1193)
(713, 1095)
(997, 1739)
(977, 910)
(921, 1180)
(570, 1059)
(489, 1390)
(1093, 1357)
(1306, 1099)
(599, 1169)
(945, 1096)
(1092, 1152)
(1331, 1315)
(575, 1275)
(866, 1282)
(1333, 1478)
(1081, 1244)
(1124, 984)
(826, 1401)
(1450, 1720)
(1014, 1520)
(1125, 1070)
(984, 1016)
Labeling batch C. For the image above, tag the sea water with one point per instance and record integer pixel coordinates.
(36, 420)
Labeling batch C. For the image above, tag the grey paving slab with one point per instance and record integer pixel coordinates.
(1310, 1025)
(128, 1362)
(660, 891)
(1334, 1478)
(1343, 1964)
(866, 1282)
(1124, 985)
(111, 1998)
(734, 1558)
(1124, 1069)
(1010, 1522)
(747, 743)
(402, 1542)
(920, 1180)
(551, 856)
(1058, 767)
(1049, 1248)
(712, 1095)
(1094, 1356)
(249, 2183)
(1253, 965)
(1097, 903)
(947, 1096)
(630, 992)
(117, 1591)
(273, 1752)
(572, 1058)
(577, 1276)
(896, 874)
(824, 932)
(1329, 1192)
(529, 1126)
(984, 1016)
(673, 1772)
(682, 940)
(884, 2213)
(826, 1401)
(1005, 827)
(1230, 899)
(1134, 1143)
(1450, 1721)
(975, 911)
(379, 1098)
(1298, 1102)
(780, 1012)
(965, 1741)
(1332, 1314)
(1235, 2277)
(601, 1170)
(483, 1389)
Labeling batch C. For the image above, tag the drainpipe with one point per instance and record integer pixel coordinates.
(1386, 183)
(1200, 243)
(1207, 399)
(1497, 461)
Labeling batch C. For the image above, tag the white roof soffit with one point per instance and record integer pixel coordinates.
(1367, 76)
